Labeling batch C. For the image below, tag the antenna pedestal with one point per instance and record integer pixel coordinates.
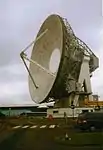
(79, 90)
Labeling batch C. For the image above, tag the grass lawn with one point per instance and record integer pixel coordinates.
(81, 139)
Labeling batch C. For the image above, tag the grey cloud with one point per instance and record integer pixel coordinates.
(19, 100)
(13, 73)
(20, 26)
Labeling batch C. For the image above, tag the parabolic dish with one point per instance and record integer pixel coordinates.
(58, 58)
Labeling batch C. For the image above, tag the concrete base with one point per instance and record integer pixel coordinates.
(61, 112)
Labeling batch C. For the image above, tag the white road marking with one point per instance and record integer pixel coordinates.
(43, 126)
(16, 127)
(24, 127)
(35, 126)
(32, 127)
(52, 126)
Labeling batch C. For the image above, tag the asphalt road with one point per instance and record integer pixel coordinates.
(37, 136)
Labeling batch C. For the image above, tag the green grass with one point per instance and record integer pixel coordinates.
(81, 139)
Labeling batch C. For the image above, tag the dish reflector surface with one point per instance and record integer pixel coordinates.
(47, 52)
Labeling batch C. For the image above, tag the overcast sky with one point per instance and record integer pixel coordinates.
(20, 21)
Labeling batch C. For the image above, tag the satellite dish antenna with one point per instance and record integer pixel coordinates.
(56, 60)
